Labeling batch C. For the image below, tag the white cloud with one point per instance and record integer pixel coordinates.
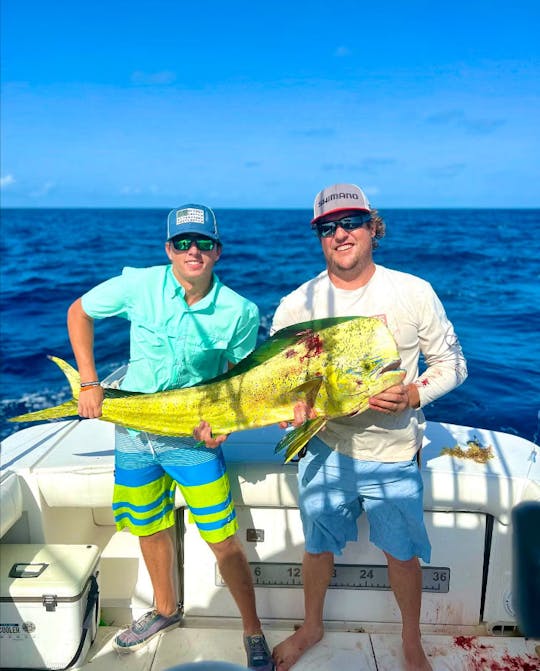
(342, 51)
(6, 181)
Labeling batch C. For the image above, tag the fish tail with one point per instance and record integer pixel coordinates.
(67, 409)
(72, 375)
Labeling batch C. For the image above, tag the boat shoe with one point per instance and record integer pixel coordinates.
(144, 629)
(259, 657)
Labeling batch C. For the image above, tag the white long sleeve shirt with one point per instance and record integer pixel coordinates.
(417, 320)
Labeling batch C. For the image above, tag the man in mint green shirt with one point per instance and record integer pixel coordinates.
(175, 343)
(186, 327)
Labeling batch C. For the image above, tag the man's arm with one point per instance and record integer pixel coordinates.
(81, 335)
(446, 365)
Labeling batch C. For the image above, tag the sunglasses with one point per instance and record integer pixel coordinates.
(327, 229)
(202, 244)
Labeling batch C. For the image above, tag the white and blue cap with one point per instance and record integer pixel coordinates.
(192, 219)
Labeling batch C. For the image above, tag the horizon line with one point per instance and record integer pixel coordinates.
(267, 208)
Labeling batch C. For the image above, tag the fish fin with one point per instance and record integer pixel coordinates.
(313, 324)
(295, 440)
(307, 391)
(109, 392)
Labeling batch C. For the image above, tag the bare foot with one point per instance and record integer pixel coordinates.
(289, 651)
(415, 657)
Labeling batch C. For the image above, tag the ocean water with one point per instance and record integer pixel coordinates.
(482, 263)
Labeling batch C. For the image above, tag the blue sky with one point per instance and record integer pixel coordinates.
(252, 104)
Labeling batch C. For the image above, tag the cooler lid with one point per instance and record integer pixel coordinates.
(27, 572)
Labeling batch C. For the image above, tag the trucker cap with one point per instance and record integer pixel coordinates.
(337, 198)
(192, 219)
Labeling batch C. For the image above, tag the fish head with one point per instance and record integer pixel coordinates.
(362, 362)
(348, 390)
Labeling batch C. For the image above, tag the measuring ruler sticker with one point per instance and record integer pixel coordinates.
(346, 576)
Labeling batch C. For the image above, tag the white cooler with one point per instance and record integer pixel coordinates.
(49, 605)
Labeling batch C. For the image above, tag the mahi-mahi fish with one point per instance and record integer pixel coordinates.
(333, 364)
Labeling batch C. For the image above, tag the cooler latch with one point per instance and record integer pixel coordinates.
(50, 602)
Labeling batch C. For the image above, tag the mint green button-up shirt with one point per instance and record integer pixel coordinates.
(173, 344)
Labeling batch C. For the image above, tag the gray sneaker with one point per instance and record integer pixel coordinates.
(259, 657)
(144, 629)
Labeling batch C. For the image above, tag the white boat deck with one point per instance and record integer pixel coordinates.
(338, 651)
(56, 487)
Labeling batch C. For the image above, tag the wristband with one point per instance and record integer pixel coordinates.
(85, 386)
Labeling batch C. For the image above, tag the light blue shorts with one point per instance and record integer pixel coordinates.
(335, 489)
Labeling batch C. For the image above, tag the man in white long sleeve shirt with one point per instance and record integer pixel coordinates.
(369, 462)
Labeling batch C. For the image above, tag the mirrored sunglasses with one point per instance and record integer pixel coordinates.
(202, 244)
(327, 229)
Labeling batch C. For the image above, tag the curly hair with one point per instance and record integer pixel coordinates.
(377, 224)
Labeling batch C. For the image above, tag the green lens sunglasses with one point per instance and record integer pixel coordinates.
(202, 244)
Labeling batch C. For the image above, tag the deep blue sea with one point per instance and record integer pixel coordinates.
(484, 265)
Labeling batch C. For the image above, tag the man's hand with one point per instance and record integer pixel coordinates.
(90, 402)
(302, 412)
(395, 399)
(203, 433)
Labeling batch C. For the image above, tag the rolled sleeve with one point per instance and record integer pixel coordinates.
(108, 299)
(245, 336)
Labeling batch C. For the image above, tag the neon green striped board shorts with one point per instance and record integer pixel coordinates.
(148, 468)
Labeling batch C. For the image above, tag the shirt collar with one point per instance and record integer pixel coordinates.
(175, 289)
